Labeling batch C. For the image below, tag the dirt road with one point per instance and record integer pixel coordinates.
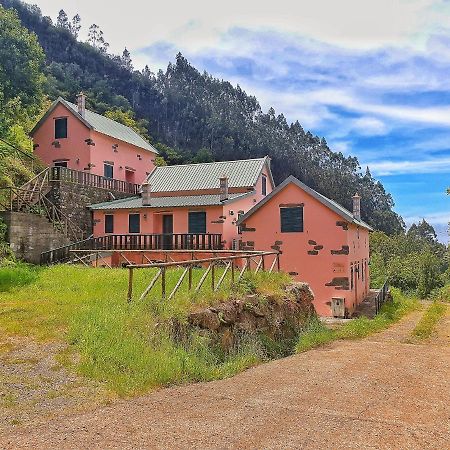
(380, 392)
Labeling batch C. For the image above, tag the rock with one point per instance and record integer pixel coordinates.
(205, 319)
(301, 293)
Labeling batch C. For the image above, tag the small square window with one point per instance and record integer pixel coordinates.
(61, 128)
(109, 223)
(197, 222)
(291, 219)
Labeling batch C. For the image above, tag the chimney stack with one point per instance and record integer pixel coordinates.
(223, 188)
(146, 193)
(357, 206)
(81, 103)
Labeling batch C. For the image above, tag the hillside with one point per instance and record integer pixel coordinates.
(194, 116)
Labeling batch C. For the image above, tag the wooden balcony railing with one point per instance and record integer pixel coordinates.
(90, 179)
(178, 241)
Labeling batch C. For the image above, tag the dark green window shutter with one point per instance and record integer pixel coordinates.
(108, 171)
(109, 223)
(134, 223)
(61, 128)
(197, 222)
(291, 219)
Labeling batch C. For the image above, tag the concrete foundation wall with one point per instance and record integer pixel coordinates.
(30, 234)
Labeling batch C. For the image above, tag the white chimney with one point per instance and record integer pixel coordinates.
(81, 103)
(146, 193)
(357, 206)
(223, 188)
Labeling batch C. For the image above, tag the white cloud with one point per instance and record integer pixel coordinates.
(404, 167)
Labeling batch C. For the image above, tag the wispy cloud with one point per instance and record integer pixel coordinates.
(441, 165)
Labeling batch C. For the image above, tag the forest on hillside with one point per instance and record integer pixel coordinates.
(193, 116)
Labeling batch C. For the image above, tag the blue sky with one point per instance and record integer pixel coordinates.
(372, 77)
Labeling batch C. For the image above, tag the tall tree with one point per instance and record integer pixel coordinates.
(96, 38)
(62, 20)
(125, 60)
(75, 26)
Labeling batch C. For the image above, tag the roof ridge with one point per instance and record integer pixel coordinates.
(213, 162)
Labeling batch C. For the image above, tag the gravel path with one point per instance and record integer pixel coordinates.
(375, 393)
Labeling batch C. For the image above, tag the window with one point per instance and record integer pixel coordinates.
(291, 219)
(60, 163)
(351, 277)
(108, 171)
(197, 222)
(134, 223)
(61, 128)
(362, 270)
(240, 214)
(264, 185)
(109, 223)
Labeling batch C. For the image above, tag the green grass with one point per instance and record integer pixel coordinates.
(130, 347)
(424, 329)
(16, 275)
(317, 334)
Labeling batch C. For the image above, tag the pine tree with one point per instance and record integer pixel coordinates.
(96, 39)
(125, 60)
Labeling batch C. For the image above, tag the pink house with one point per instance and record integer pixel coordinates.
(71, 136)
(192, 205)
(322, 243)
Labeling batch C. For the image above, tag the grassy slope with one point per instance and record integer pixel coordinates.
(318, 334)
(125, 345)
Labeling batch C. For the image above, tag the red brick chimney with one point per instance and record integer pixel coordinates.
(223, 188)
(81, 103)
(146, 193)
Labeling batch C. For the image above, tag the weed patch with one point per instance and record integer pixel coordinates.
(424, 329)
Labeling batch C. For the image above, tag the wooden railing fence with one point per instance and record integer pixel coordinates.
(228, 262)
(89, 179)
(148, 242)
(381, 297)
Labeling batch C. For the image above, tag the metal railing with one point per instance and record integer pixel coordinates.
(89, 179)
(229, 263)
(381, 297)
(179, 241)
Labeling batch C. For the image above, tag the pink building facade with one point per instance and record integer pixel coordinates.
(320, 242)
(71, 136)
(190, 199)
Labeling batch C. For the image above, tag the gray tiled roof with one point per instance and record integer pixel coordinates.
(241, 174)
(336, 207)
(103, 125)
(166, 202)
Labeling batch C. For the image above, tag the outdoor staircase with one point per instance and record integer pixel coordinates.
(32, 198)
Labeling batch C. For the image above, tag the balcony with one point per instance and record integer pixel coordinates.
(89, 179)
(173, 241)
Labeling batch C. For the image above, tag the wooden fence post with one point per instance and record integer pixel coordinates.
(130, 284)
(163, 282)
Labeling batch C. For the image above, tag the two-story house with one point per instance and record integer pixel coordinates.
(69, 135)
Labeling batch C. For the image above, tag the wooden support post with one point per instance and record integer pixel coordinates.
(278, 262)
(212, 276)
(232, 271)
(163, 282)
(177, 286)
(130, 284)
(190, 277)
(150, 286)
(202, 279)
(263, 265)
